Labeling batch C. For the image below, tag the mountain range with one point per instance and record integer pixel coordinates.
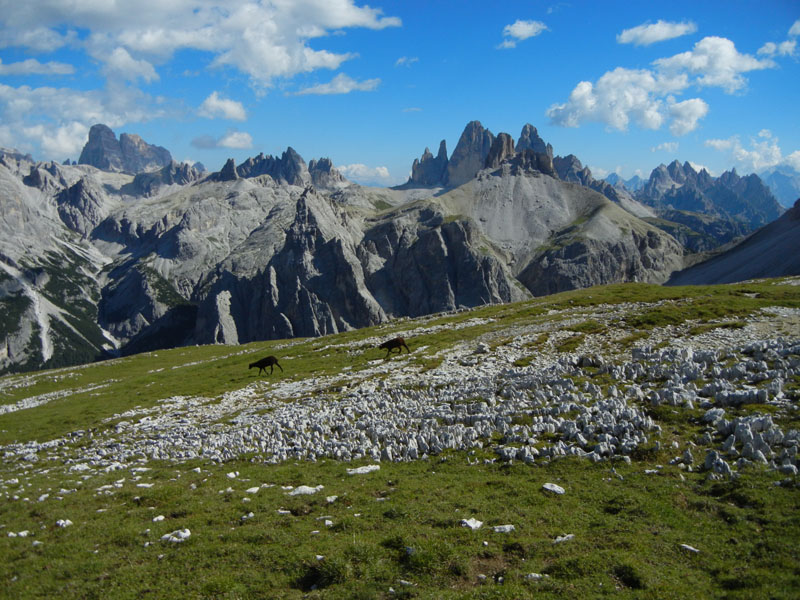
(130, 251)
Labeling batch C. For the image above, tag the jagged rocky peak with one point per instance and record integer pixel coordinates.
(430, 171)
(228, 171)
(569, 168)
(502, 148)
(174, 173)
(470, 154)
(129, 154)
(529, 140)
(290, 168)
(324, 175)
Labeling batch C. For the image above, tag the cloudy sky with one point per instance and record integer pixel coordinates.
(624, 86)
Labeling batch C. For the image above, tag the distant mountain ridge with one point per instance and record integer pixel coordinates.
(146, 253)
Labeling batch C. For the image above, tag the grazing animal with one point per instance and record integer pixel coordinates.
(398, 343)
(269, 361)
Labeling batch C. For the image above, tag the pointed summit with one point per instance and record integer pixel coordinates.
(470, 154)
(529, 140)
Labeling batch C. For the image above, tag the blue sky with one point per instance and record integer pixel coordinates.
(624, 86)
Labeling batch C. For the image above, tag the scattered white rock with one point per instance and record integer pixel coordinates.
(563, 538)
(363, 470)
(690, 548)
(253, 490)
(331, 499)
(63, 523)
(158, 518)
(304, 490)
(552, 487)
(503, 528)
(177, 536)
(233, 474)
(471, 523)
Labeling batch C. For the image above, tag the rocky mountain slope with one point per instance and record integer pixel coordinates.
(146, 253)
(772, 251)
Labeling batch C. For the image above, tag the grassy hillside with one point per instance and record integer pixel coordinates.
(641, 527)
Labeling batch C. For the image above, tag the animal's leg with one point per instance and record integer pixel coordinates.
(280, 367)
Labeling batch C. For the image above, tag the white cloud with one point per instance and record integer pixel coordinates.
(406, 61)
(520, 30)
(644, 35)
(715, 62)
(216, 106)
(121, 63)
(685, 115)
(41, 119)
(236, 139)
(367, 175)
(763, 152)
(793, 160)
(619, 97)
(785, 48)
(645, 96)
(412, 109)
(669, 147)
(232, 139)
(263, 39)
(32, 66)
(64, 141)
(341, 84)
(599, 172)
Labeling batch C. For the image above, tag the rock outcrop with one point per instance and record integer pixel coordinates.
(429, 171)
(129, 154)
(470, 154)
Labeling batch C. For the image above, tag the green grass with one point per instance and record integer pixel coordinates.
(402, 522)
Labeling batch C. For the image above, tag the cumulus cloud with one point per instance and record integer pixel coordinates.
(268, 41)
(668, 147)
(714, 61)
(262, 39)
(761, 153)
(366, 175)
(412, 109)
(32, 66)
(650, 33)
(121, 64)
(41, 120)
(794, 30)
(519, 31)
(619, 97)
(645, 97)
(236, 139)
(216, 106)
(685, 115)
(341, 84)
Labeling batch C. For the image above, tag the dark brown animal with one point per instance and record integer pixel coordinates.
(269, 361)
(395, 343)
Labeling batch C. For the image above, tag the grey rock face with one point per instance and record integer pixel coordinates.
(502, 149)
(529, 140)
(470, 154)
(430, 171)
(147, 184)
(324, 175)
(569, 168)
(289, 169)
(129, 154)
(82, 206)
